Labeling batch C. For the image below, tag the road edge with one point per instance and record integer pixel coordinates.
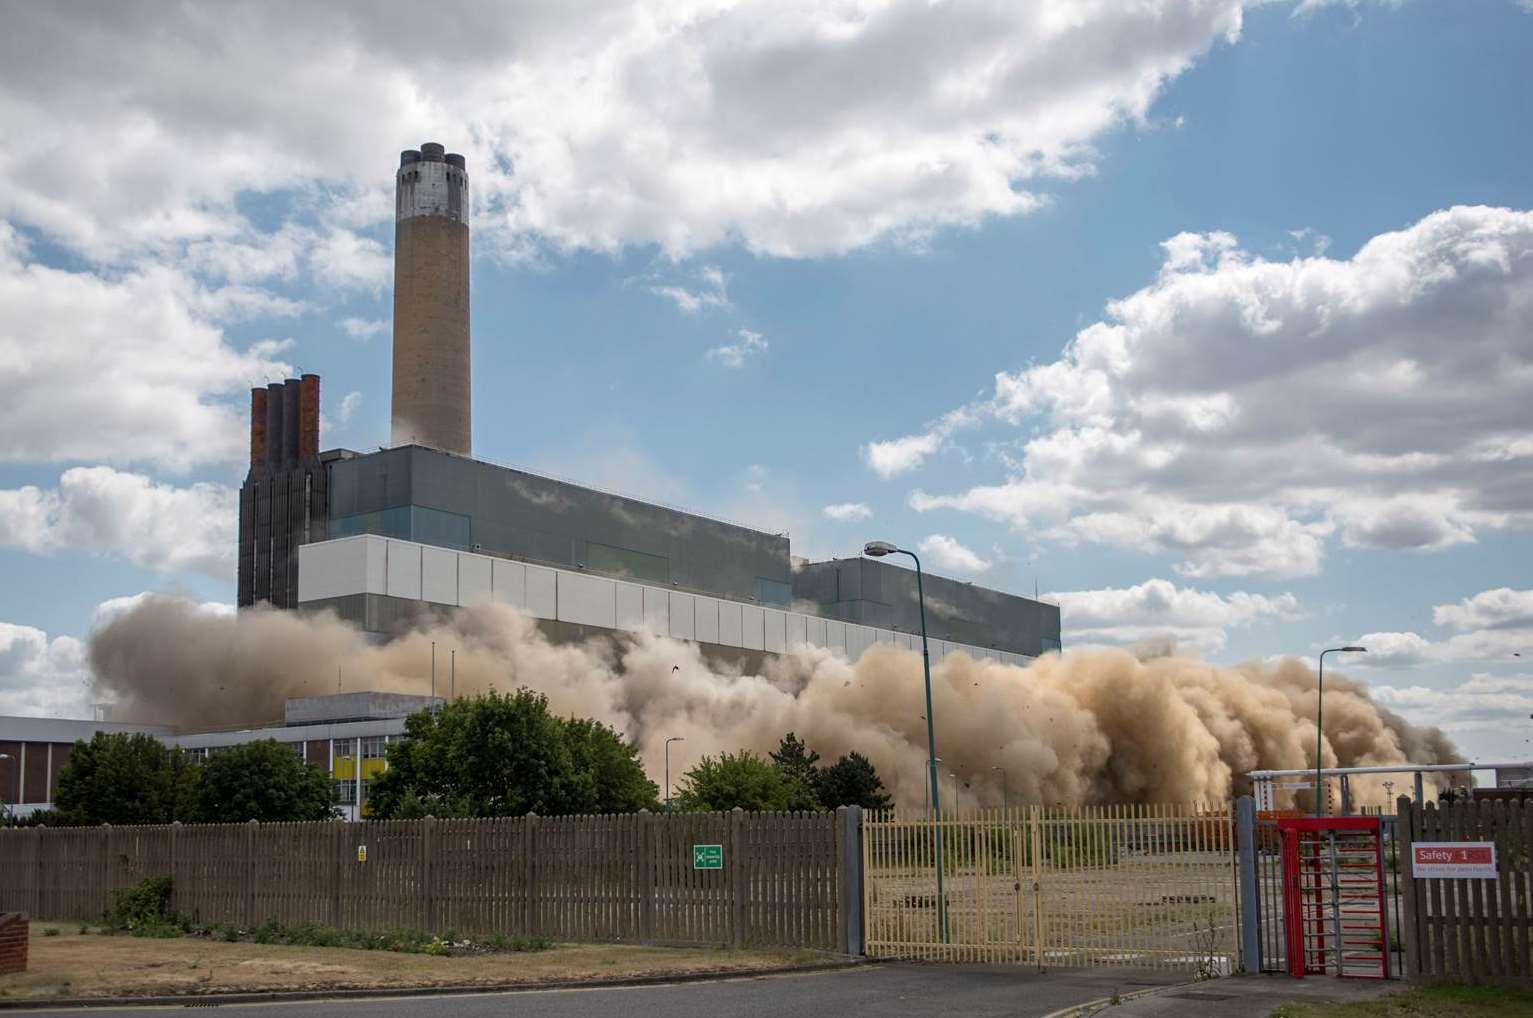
(1092, 1006)
(385, 992)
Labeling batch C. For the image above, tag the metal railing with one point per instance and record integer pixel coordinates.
(1132, 885)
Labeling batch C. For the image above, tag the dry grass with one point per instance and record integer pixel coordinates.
(1423, 1002)
(73, 965)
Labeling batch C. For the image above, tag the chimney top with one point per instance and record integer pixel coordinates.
(431, 152)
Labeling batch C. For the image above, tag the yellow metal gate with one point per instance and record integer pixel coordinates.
(1140, 886)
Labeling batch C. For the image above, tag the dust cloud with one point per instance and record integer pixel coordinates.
(1097, 726)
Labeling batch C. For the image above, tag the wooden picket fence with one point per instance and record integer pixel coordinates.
(624, 878)
(1470, 931)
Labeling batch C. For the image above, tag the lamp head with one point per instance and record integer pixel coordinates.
(878, 549)
(1355, 650)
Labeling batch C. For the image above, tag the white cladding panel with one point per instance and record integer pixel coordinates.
(776, 631)
(368, 564)
(439, 575)
(630, 606)
(332, 569)
(508, 581)
(707, 611)
(473, 578)
(681, 616)
(798, 629)
(752, 628)
(729, 623)
(657, 610)
(835, 636)
(587, 600)
(542, 593)
(404, 570)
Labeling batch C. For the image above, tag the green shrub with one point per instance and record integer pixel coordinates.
(51, 931)
(144, 906)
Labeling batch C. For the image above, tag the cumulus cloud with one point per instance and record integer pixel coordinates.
(1159, 611)
(131, 369)
(710, 291)
(794, 129)
(365, 328)
(1242, 413)
(1502, 608)
(42, 677)
(1491, 626)
(848, 512)
(1490, 709)
(106, 512)
(348, 407)
(747, 344)
(947, 553)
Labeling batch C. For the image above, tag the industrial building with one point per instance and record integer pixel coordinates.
(381, 537)
(346, 735)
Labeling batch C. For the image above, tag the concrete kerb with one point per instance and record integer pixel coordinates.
(384, 992)
(1091, 1007)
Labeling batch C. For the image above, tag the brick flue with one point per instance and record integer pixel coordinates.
(257, 428)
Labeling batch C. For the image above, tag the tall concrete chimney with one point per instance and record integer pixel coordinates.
(431, 341)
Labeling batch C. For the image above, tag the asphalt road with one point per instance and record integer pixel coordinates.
(876, 991)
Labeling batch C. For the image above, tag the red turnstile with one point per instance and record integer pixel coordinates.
(1333, 897)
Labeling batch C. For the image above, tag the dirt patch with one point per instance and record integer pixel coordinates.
(70, 964)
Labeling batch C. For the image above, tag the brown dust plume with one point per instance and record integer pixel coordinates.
(1083, 727)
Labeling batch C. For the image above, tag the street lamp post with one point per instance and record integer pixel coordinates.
(878, 549)
(674, 738)
(1005, 795)
(1319, 704)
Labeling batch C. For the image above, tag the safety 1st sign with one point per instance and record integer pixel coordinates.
(1449, 860)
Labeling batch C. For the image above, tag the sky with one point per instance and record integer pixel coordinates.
(1210, 320)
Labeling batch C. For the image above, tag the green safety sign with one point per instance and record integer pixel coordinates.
(707, 857)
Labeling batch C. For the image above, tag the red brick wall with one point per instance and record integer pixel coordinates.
(13, 943)
(61, 751)
(35, 784)
(10, 772)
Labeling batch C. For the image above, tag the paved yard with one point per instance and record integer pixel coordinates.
(876, 991)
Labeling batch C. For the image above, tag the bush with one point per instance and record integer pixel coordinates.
(143, 909)
(51, 931)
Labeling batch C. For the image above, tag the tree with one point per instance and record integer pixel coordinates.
(733, 780)
(610, 778)
(263, 781)
(796, 762)
(120, 778)
(851, 781)
(485, 756)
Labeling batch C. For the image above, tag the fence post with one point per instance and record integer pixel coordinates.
(530, 871)
(37, 862)
(250, 875)
(428, 889)
(175, 879)
(1250, 900)
(736, 879)
(106, 867)
(1410, 931)
(338, 839)
(849, 860)
(646, 875)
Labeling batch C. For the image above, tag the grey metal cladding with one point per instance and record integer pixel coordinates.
(883, 595)
(516, 514)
